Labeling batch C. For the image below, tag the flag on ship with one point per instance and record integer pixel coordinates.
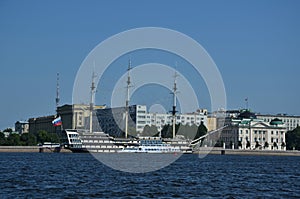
(57, 121)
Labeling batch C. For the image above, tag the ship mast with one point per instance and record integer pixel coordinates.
(127, 99)
(92, 101)
(174, 105)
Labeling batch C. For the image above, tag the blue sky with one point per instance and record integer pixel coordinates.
(255, 44)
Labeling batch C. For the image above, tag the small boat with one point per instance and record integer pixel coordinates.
(52, 147)
(150, 146)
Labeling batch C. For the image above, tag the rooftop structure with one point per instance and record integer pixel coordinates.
(290, 121)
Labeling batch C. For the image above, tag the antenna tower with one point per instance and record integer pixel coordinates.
(57, 99)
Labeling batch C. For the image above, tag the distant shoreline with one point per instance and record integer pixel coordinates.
(202, 151)
(27, 149)
(221, 151)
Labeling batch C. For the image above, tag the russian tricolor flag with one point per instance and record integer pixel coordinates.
(57, 121)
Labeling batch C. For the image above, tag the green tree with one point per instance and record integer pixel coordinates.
(2, 139)
(293, 139)
(43, 136)
(28, 139)
(131, 131)
(149, 130)
(8, 130)
(202, 130)
(54, 138)
(166, 131)
(13, 140)
(184, 130)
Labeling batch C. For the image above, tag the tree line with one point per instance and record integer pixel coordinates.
(27, 139)
(292, 139)
(187, 131)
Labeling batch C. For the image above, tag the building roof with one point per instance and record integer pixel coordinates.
(247, 115)
(22, 122)
(276, 121)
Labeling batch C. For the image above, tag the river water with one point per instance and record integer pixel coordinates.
(68, 175)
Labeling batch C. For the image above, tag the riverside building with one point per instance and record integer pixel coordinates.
(112, 120)
(74, 116)
(22, 127)
(41, 123)
(246, 131)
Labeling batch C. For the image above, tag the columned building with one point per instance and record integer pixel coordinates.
(248, 132)
(76, 116)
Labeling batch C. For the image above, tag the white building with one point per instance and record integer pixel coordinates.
(112, 119)
(22, 127)
(291, 122)
(248, 132)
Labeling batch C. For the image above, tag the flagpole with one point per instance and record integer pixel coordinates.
(246, 100)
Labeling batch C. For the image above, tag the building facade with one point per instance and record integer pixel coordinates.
(291, 122)
(76, 116)
(249, 132)
(42, 123)
(22, 127)
(112, 120)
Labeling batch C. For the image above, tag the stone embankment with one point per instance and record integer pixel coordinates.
(217, 150)
(26, 149)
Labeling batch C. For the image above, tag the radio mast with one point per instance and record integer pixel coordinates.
(57, 91)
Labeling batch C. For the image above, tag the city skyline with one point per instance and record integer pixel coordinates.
(254, 44)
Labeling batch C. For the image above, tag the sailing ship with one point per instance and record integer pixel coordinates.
(89, 141)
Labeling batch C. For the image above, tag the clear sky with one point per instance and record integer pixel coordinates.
(255, 44)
